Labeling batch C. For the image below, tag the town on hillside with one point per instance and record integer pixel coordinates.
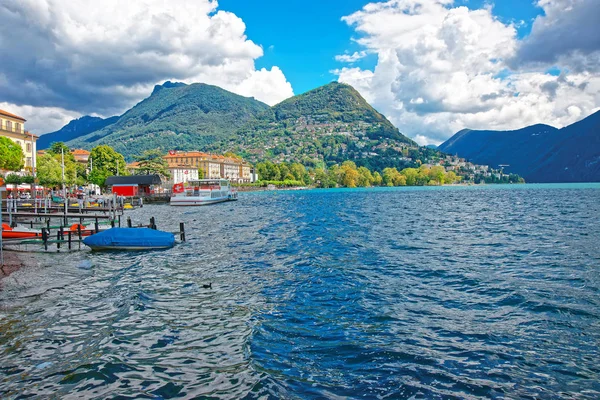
(21, 164)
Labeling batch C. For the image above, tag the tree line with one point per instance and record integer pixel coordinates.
(349, 175)
(103, 162)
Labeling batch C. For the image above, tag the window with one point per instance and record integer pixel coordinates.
(17, 127)
(28, 148)
(8, 125)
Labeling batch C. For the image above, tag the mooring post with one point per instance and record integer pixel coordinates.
(58, 239)
(129, 222)
(48, 224)
(152, 223)
(69, 236)
(79, 231)
(96, 225)
(182, 231)
(45, 238)
(119, 220)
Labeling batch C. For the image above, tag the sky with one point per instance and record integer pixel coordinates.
(433, 67)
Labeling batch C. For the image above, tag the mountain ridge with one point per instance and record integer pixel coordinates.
(175, 115)
(74, 129)
(328, 124)
(539, 153)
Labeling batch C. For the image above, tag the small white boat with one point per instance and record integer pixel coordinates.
(202, 192)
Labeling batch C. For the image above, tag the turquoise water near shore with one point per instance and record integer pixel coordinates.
(434, 292)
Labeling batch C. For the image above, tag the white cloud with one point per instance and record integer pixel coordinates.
(350, 58)
(41, 119)
(85, 56)
(442, 68)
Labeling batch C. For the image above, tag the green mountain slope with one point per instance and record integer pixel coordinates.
(176, 116)
(330, 124)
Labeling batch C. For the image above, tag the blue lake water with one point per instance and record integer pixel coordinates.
(454, 292)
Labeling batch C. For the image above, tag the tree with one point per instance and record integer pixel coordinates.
(365, 177)
(410, 174)
(49, 170)
(104, 162)
(350, 174)
(11, 155)
(152, 162)
(58, 148)
(451, 177)
(437, 174)
(74, 171)
(377, 179)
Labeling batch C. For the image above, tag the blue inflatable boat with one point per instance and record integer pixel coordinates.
(130, 239)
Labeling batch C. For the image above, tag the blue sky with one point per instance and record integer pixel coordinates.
(302, 37)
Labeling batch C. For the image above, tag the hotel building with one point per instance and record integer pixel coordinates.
(212, 166)
(13, 127)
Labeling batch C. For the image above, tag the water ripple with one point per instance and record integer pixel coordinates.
(385, 293)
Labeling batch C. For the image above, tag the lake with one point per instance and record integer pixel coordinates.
(451, 292)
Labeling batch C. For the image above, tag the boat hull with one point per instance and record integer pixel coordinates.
(130, 239)
(182, 201)
(128, 248)
(14, 235)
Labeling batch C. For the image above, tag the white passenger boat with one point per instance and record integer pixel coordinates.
(202, 192)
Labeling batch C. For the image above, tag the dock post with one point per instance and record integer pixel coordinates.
(96, 225)
(58, 239)
(119, 220)
(152, 223)
(45, 238)
(48, 224)
(69, 236)
(112, 223)
(79, 231)
(129, 222)
(182, 231)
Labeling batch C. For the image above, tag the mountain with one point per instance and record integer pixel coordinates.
(176, 116)
(74, 129)
(332, 123)
(539, 153)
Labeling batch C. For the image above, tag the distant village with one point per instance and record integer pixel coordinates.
(184, 166)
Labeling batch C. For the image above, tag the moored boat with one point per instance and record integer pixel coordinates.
(19, 232)
(202, 192)
(85, 230)
(130, 239)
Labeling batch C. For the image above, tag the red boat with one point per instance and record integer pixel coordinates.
(19, 232)
(85, 230)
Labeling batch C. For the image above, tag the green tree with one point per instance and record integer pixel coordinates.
(104, 162)
(437, 174)
(410, 174)
(49, 170)
(377, 179)
(152, 162)
(11, 155)
(451, 177)
(74, 171)
(365, 177)
(57, 148)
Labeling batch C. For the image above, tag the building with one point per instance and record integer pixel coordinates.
(81, 156)
(183, 174)
(134, 185)
(212, 166)
(13, 127)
